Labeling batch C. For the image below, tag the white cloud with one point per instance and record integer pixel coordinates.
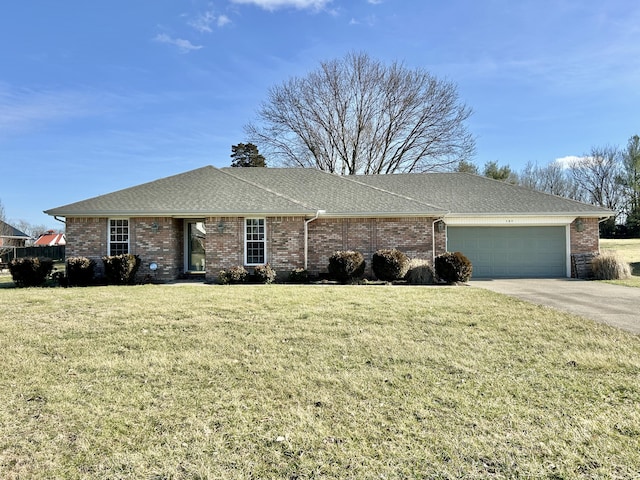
(276, 4)
(203, 22)
(185, 46)
(566, 162)
(374, 2)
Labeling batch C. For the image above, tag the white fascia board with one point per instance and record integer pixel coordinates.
(508, 220)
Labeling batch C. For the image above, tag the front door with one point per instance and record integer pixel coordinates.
(195, 246)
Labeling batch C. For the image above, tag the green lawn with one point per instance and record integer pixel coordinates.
(629, 251)
(296, 382)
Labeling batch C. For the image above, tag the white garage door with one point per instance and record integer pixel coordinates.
(511, 252)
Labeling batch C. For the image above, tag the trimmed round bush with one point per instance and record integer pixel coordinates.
(420, 272)
(346, 266)
(453, 267)
(299, 275)
(30, 271)
(80, 271)
(389, 264)
(121, 269)
(265, 274)
(237, 274)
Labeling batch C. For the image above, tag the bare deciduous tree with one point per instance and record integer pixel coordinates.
(553, 179)
(597, 175)
(356, 115)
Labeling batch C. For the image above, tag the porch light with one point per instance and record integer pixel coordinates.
(221, 227)
(440, 227)
(154, 227)
(579, 225)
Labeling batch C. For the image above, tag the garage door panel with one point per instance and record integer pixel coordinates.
(511, 251)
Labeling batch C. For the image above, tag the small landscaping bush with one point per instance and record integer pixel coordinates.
(265, 274)
(346, 266)
(420, 272)
(121, 269)
(453, 267)
(299, 275)
(389, 264)
(237, 274)
(30, 271)
(80, 271)
(609, 266)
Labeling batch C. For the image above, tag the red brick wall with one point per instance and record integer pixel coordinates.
(587, 241)
(225, 243)
(413, 236)
(159, 240)
(87, 237)
(163, 243)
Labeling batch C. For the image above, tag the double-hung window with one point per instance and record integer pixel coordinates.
(118, 236)
(255, 239)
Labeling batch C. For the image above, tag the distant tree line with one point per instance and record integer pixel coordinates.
(607, 176)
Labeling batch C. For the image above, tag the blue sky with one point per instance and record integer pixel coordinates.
(98, 96)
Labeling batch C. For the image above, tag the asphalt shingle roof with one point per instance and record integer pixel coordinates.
(297, 191)
(463, 193)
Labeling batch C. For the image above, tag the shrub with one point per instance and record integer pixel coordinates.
(609, 266)
(121, 269)
(346, 266)
(420, 272)
(265, 274)
(237, 274)
(453, 267)
(389, 264)
(30, 271)
(299, 275)
(80, 271)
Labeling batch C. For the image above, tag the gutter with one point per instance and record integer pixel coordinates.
(306, 236)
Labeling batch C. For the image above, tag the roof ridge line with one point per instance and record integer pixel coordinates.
(395, 193)
(266, 189)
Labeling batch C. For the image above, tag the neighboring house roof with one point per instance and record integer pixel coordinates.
(50, 239)
(9, 231)
(298, 191)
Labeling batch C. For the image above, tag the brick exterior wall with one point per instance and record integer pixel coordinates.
(158, 240)
(413, 236)
(161, 240)
(588, 240)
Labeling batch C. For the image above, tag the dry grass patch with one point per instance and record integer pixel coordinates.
(629, 251)
(310, 382)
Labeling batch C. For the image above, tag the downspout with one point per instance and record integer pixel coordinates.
(306, 236)
(433, 239)
(55, 217)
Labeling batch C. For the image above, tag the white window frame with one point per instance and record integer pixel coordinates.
(111, 242)
(263, 240)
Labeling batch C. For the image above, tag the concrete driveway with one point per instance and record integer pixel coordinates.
(611, 304)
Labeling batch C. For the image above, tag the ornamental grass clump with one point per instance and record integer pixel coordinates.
(609, 266)
(453, 267)
(80, 271)
(346, 266)
(265, 274)
(389, 264)
(420, 272)
(30, 271)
